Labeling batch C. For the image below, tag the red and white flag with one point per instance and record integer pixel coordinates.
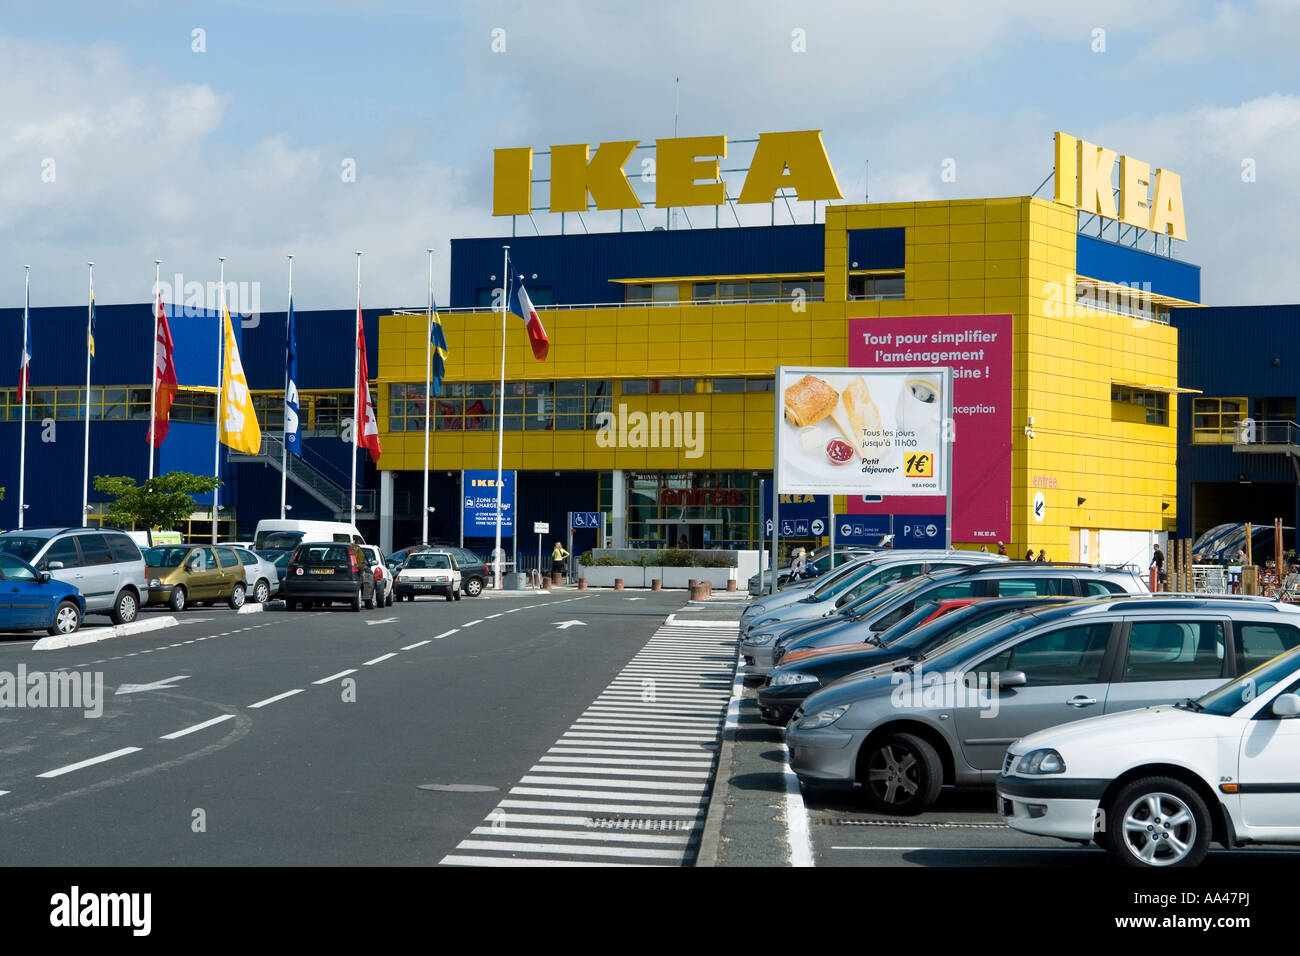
(522, 306)
(367, 436)
(164, 377)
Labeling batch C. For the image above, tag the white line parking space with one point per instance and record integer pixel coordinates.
(196, 727)
(272, 700)
(628, 783)
(102, 758)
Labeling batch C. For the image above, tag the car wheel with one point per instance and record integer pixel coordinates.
(474, 587)
(356, 599)
(177, 600)
(457, 595)
(237, 596)
(388, 600)
(125, 608)
(370, 602)
(262, 592)
(901, 774)
(290, 605)
(67, 618)
(1158, 821)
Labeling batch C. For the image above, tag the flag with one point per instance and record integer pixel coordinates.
(522, 306)
(238, 422)
(292, 427)
(438, 354)
(24, 366)
(367, 436)
(90, 327)
(164, 377)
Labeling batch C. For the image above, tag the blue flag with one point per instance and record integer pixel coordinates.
(292, 427)
(438, 353)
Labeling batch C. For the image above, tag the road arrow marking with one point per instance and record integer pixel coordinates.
(565, 625)
(383, 620)
(165, 684)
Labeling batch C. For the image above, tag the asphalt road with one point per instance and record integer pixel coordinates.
(306, 738)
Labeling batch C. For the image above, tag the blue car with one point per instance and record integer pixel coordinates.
(31, 599)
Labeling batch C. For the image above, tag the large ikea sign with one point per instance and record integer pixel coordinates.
(685, 172)
(1083, 180)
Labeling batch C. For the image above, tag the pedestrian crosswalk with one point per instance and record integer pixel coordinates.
(627, 784)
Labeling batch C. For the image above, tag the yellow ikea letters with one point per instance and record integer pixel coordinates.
(1083, 180)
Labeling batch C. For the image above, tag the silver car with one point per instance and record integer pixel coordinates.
(261, 579)
(769, 602)
(104, 565)
(819, 561)
(905, 731)
(383, 576)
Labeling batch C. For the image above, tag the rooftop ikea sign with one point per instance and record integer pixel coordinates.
(1083, 180)
(685, 172)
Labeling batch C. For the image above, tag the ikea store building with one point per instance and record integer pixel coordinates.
(1053, 311)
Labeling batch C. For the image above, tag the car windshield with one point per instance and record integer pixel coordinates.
(876, 598)
(165, 557)
(1231, 697)
(908, 624)
(21, 546)
(440, 561)
(949, 655)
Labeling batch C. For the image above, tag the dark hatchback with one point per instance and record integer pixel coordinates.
(793, 681)
(323, 572)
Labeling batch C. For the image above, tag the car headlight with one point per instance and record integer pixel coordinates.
(793, 677)
(760, 639)
(1041, 761)
(824, 719)
(155, 583)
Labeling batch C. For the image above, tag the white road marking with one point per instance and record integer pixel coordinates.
(569, 848)
(272, 700)
(411, 647)
(196, 727)
(381, 657)
(796, 817)
(472, 623)
(89, 763)
(167, 683)
(334, 677)
(439, 637)
(491, 616)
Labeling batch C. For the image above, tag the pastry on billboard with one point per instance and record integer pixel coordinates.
(808, 401)
(861, 411)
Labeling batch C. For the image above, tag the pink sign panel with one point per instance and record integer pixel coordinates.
(978, 349)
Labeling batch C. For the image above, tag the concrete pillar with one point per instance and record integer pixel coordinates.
(386, 512)
(618, 509)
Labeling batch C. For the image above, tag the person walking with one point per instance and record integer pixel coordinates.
(1158, 562)
(1042, 556)
(1002, 548)
(799, 564)
(1029, 555)
(557, 560)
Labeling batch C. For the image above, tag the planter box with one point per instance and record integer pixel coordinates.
(638, 577)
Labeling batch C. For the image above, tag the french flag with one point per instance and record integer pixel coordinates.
(522, 306)
(25, 365)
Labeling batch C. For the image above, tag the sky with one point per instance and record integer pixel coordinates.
(141, 130)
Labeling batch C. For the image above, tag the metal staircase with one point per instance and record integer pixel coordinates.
(315, 475)
(1269, 438)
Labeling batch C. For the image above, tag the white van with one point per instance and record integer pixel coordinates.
(286, 535)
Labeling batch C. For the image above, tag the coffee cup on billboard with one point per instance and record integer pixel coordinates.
(920, 403)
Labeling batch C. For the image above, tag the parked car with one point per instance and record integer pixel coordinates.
(383, 577)
(286, 535)
(323, 572)
(280, 560)
(770, 602)
(105, 566)
(474, 572)
(904, 731)
(1155, 787)
(428, 572)
(819, 562)
(181, 575)
(803, 672)
(34, 599)
(1002, 580)
(261, 577)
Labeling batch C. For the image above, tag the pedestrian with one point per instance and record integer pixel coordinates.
(1002, 548)
(984, 549)
(1158, 562)
(798, 563)
(557, 559)
(1029, 555)
(1042, 556)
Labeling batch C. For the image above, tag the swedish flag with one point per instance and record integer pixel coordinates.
(438, 353)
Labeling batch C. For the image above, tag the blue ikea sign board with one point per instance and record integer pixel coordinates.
(919, 531)
(861, 529)
(480, 503)
(794, 507)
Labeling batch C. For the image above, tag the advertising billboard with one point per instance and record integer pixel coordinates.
(862, 431)
(978, 348)
(481, 503)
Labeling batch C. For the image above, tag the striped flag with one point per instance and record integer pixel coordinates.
(292, 426)
(438, 354)
(24, 366)
(164, 374)
(366, 432)
(90, 326)
(522, 306)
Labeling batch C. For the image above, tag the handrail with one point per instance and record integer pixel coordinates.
(646, 303)
(1278, 431)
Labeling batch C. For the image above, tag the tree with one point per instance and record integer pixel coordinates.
(160, 504)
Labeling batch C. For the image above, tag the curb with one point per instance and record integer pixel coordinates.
(711, 838)
(93, 635)
(251, 609)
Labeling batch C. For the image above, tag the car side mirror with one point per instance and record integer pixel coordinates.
(43, 577)
(55, 566)
(1012, 679)
(1287, 705)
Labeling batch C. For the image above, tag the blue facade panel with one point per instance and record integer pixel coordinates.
(1111, 262)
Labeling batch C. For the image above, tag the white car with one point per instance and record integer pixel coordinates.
(1155, 787)
(383, 576)
(261, 582)
(428, 572)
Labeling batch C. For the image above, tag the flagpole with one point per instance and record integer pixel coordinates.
(153, 380)
(356, 393)
(27, 383)
(501, 405)
(428, 385)
(221, 344)
(284, 428)
(85, 469)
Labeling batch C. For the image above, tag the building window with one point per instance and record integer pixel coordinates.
(636, 293)
(1214, 420)
(528, 406)
(883, 286)
(690, 509)
(1154, 406)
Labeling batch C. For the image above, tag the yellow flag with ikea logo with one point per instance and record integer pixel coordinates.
(238, 418)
